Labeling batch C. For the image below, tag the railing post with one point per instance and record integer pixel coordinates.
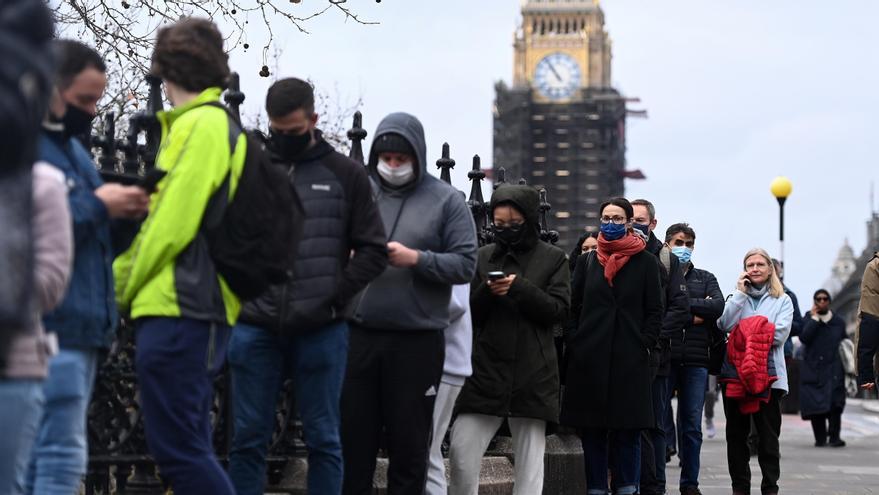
(357, 134)
(445, 164)
(477, 204)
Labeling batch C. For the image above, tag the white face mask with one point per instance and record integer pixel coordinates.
(396, 176)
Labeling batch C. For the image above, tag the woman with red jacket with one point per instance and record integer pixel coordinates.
(617, 305)
(758, 293)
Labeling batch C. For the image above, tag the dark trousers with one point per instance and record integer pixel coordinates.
(619, 450)
(653, 441)
(177, 360)
(827, 424)
(390, 384)
(767, 422)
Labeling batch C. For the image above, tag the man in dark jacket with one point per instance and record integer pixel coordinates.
(299, 328)
(396, 357)
(86, 320)
(675, 318)
(689, 353)
(791, 402)
(822, 376)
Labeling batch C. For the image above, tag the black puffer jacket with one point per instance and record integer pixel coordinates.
(689, 347)
(340, 217)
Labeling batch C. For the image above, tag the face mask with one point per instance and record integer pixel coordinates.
(510, 235)
(613, 231)
(396, 177)
(290, 146)
(683, 253)
(644, 228)
(77, 122)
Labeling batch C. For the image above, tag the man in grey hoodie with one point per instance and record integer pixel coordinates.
(396, 352)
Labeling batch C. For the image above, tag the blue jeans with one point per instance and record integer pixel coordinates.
(259, 360)
(177, 361)
(626, 465)
(60, 455)
(690, 383)
(21, 404)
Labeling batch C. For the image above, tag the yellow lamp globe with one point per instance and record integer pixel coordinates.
(781, 187)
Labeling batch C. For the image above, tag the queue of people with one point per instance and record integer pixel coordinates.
(395, 327)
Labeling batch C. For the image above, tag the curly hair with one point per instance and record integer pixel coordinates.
(190, 53)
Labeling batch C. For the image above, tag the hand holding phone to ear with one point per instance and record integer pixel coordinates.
(744, 282)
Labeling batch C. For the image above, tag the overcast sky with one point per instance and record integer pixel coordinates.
(737, 93)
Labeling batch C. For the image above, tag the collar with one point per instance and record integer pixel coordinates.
(167, 117)
(823, 318)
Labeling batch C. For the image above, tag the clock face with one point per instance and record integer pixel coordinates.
(557, 76)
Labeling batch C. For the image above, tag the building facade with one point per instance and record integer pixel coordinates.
(561, 126)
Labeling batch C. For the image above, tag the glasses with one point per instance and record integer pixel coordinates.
(616, 219)
(822, 298)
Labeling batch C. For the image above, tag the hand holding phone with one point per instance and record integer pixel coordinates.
(744, 282)
(493, 276)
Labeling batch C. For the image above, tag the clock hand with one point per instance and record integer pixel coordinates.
(552, 68)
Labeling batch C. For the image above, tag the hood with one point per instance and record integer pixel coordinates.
(526, 199)
(411, 129)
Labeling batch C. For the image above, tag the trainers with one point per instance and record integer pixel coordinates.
(709, 428)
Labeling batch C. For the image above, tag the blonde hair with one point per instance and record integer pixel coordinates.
(776, 289)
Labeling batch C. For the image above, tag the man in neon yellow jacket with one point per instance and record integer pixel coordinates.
(166, 280)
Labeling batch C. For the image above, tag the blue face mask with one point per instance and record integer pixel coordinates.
(613, 231)
(643, 227)
(683, 253)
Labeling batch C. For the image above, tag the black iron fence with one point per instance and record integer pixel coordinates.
(118, 458)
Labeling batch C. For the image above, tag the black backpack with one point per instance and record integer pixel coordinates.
(252, 238)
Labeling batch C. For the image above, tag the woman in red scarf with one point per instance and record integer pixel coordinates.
(617, 305)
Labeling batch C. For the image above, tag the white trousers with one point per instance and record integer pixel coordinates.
(442, 415)
(471, 435)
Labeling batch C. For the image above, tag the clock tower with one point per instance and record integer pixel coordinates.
(561, 125)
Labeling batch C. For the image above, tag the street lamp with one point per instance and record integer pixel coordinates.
(781, 188)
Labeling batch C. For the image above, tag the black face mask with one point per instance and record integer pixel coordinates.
(511, 235)
(77, 122)
(290, 146)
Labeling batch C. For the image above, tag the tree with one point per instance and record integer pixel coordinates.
(124, 31)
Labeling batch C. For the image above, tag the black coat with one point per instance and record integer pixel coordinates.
(340, 217)
(822, 377)
(608, 379)
(676, 303)
(689, 347)
(515, 367)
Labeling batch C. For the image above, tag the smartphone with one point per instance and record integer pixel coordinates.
(747, 281)
(149, 181)
(496, 275)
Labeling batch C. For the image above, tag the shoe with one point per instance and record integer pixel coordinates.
(837, 443)
(669, 453)
(709, 428)
(820, 444)
(690, 490)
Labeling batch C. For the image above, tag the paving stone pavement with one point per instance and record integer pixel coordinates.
(805, 469)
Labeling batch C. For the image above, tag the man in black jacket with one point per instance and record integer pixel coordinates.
(300, 327)
(677, 316)
(689, 353)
